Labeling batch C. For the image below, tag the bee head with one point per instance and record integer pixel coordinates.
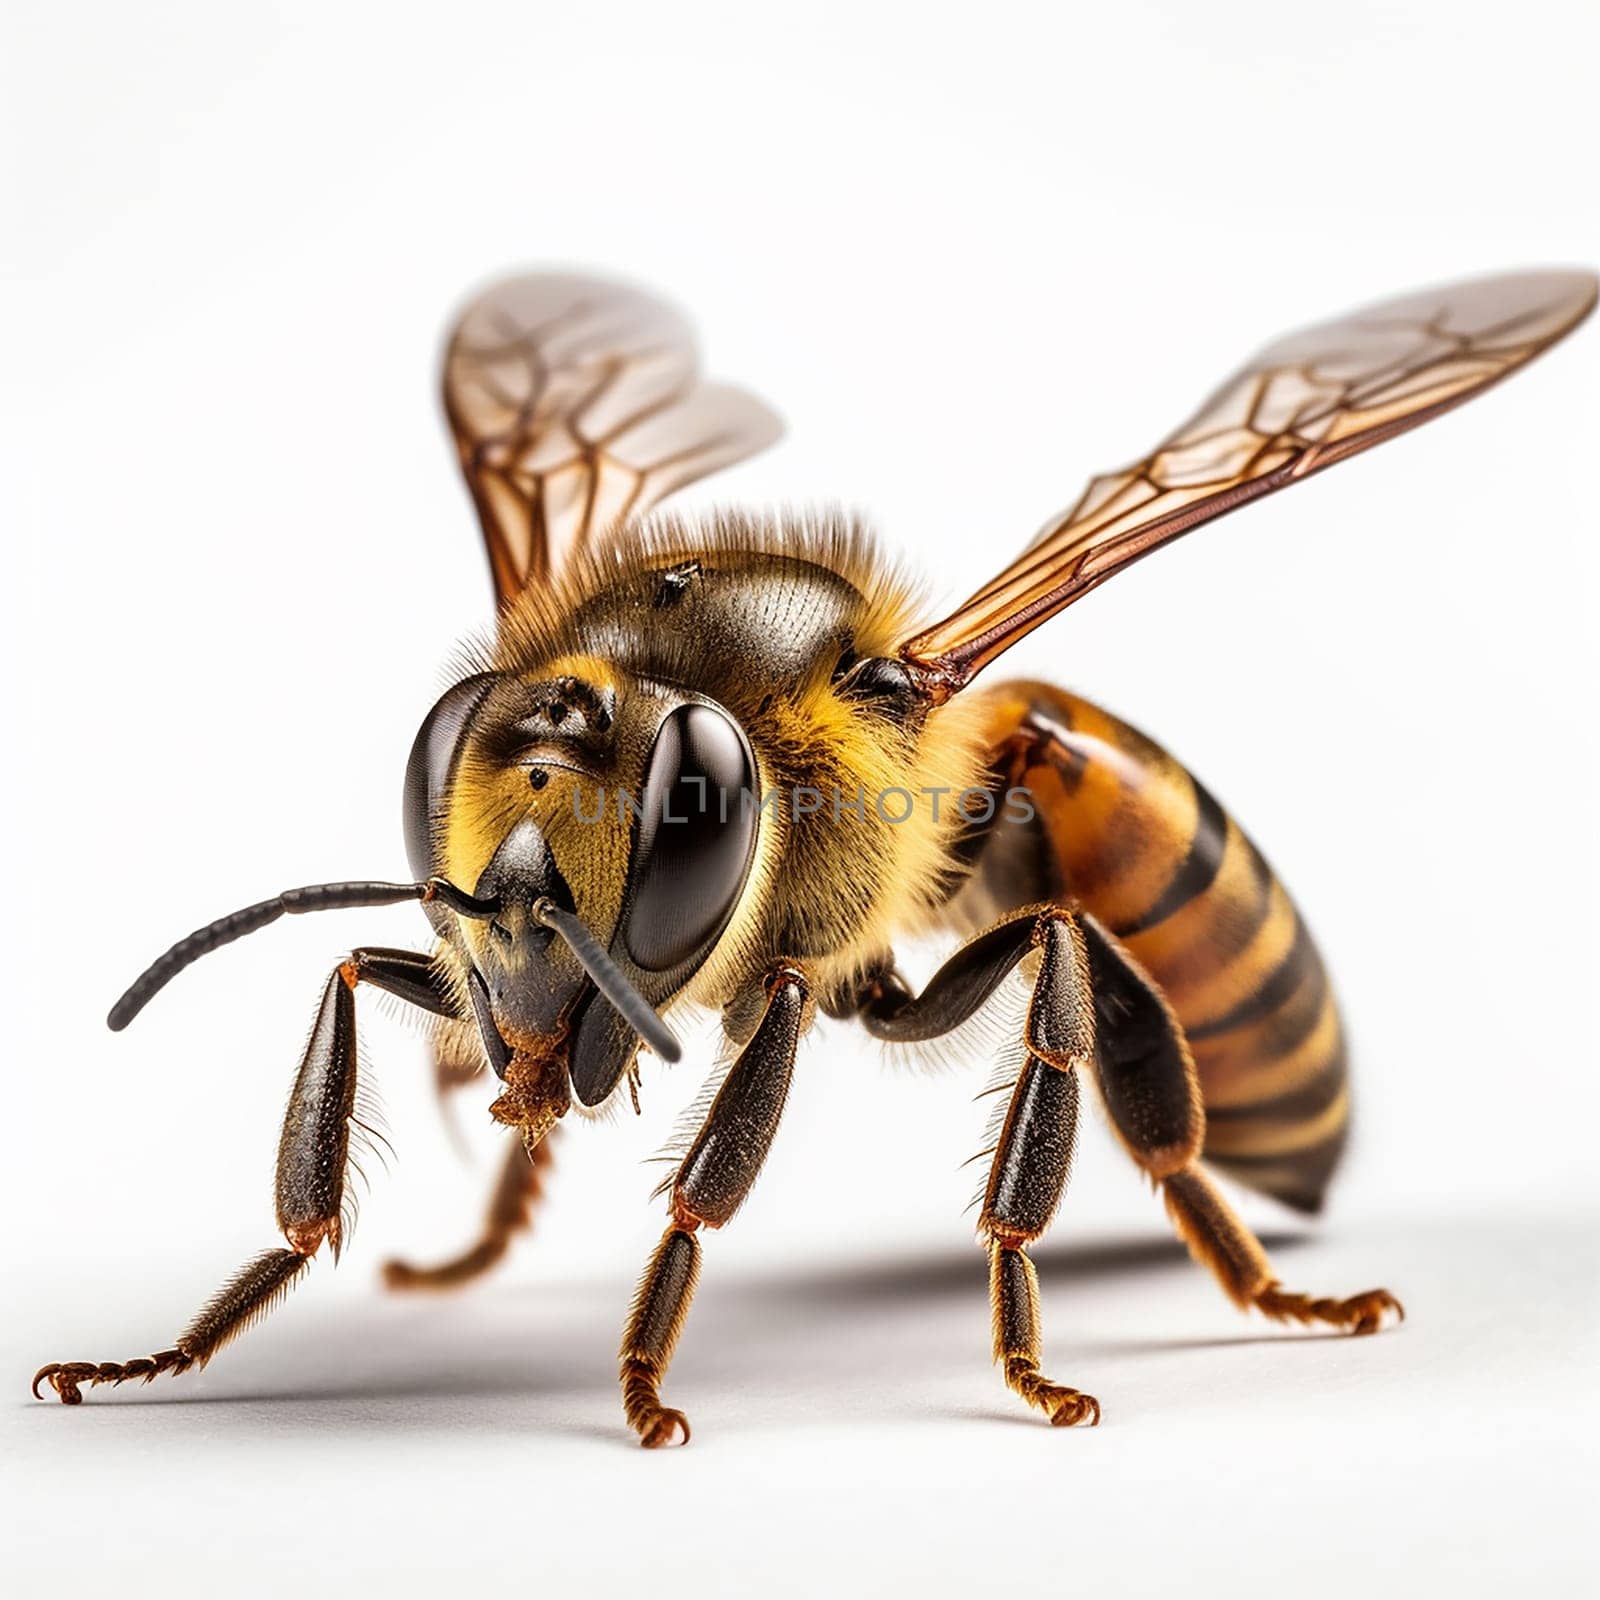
(602, 819)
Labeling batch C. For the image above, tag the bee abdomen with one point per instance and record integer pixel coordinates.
(1149, 852)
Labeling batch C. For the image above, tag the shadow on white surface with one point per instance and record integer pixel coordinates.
(527, 1339)
(845, 1433)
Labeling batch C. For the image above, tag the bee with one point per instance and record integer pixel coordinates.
(702, 766)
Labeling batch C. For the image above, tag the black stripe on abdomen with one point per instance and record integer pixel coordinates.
(1298, 1105)
(1273, 991)
(1199, 868)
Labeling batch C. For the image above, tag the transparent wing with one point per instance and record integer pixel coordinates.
(576, 404)
(1305, 402)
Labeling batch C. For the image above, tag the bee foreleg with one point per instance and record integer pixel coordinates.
(709, 1187)
(314, 1147)
(313, 1163)
(1152, 1091)
(249, 1294)
(660, 1306)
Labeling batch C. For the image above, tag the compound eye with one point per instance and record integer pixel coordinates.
(696, 834)
(434, 754)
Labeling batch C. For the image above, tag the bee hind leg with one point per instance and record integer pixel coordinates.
(707, 1189)
(1152, 1091)
(1220, 1241)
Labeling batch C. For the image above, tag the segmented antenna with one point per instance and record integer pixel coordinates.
(632, 1006)
(292, 902)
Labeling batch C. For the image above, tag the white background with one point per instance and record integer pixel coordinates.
(973, 256)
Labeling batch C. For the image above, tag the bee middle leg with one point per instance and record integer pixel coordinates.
(1033, 1156)
(459, 1060)
(313, 1166)
(710, 1185)
(517, 1191)
(1152, 1091)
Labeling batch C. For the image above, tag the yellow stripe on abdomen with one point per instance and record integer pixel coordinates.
(1146, 849)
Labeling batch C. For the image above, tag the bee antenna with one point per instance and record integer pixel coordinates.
(609, 979)
(292, 902)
